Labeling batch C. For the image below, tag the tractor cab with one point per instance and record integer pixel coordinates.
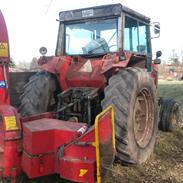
(104, 29)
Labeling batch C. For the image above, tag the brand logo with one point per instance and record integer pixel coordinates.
(82, 172)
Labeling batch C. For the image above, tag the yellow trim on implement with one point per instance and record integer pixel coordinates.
(4, 49)
(109, 108)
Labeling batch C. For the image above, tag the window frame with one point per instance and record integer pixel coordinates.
(86, 20)
(148, 39)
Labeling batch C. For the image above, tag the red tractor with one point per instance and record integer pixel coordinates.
(103, 62)
(106, 49)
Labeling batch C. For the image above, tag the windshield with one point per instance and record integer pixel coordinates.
(94, 37)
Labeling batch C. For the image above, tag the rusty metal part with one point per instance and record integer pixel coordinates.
(142, 118)
(77, 104)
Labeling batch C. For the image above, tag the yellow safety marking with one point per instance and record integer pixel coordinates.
(82, 172)
(4, 49)
(109, 108)
(10, 122)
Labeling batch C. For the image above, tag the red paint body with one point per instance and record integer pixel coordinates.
(72, 74)
(10, 144)
(54, 146)
(45, 137)
(4, 91)
(10, 139)
(49, 146)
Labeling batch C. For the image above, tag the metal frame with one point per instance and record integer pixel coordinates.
(142, 21)
(97, 119)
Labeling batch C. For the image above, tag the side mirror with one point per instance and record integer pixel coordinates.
(158, 60)
(156, 29)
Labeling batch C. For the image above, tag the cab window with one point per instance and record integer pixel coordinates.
(135, 35)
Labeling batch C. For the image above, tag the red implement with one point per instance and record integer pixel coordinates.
(53, 146)
(10, 142)
(4, 60)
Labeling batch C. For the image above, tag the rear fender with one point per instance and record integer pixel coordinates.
(115, 61)
(56, 65)
(49, 64)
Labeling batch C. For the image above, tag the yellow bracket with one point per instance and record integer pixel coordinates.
(97, 120)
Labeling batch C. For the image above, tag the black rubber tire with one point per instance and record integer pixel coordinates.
(38, 95)
(122, 91)
(169, 115)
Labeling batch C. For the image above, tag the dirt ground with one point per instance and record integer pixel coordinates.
(166, 163)
(164, 166)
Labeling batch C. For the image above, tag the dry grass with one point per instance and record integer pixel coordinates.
(164, 166)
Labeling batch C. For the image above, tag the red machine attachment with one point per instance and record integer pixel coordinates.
(10, 143)
(90, 156)
(4, 61)
(53, 146)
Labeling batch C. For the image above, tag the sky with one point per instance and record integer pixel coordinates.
(32, 24)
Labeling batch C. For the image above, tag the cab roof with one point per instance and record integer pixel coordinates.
(99, 11)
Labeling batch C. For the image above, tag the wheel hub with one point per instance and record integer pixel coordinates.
(143, 118)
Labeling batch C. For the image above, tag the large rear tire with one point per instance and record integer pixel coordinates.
(38, 95)
(132, 93)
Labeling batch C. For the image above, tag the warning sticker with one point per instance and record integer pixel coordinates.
(87, 67)
(3, 49)
(10, 122)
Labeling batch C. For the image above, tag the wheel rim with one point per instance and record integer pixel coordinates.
(173, 118)
(143, 118)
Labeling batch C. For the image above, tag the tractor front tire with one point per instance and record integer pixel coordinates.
(38, 95)
(169, 115)
(132, 93)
